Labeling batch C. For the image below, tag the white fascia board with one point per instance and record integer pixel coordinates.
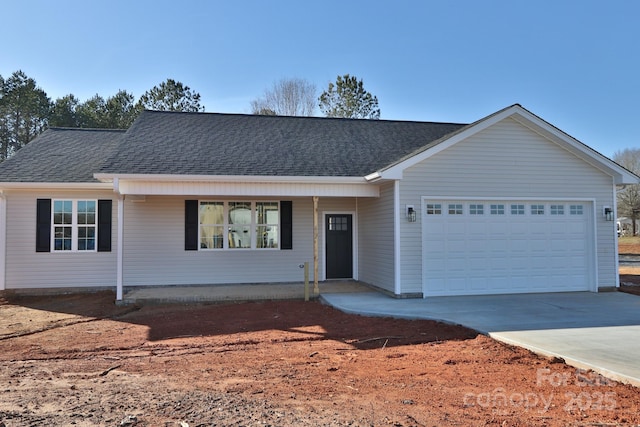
(246, 189)
(56, 185)
(103, 177)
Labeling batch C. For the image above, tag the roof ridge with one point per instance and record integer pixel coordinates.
(86, 129)
(277, 117)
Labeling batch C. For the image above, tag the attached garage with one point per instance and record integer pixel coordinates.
(475, 247)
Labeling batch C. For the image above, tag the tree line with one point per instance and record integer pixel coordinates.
(26, 110)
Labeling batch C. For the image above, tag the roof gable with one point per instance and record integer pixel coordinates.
(527, 119)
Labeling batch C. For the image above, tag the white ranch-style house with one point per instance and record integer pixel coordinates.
(508, 204)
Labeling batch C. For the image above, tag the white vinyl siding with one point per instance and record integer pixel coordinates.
(26, 268)
(504, 161)
(376, 239)
(154, 247)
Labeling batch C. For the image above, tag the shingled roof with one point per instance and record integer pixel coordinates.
(61, 155)
(171, 143)
(237, 144)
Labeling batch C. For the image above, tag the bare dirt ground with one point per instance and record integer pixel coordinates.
(80, 360)
(629, 276)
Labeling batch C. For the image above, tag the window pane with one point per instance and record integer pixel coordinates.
(267, 213)
(267, 236)
(239, 212)
(86, 212)
(212, 213)
(240, 237)
(86, 238)
(211, 237)
(557, 209)
(62, 238)
(62, 212)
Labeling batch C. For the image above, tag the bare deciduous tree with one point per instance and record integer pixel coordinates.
(287, 97)
(629, 197)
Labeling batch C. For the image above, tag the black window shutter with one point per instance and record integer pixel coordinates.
(286, 225)
(190, 225)
(43, 225)
(104, 225)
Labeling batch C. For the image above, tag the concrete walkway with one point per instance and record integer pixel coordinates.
(598, 331)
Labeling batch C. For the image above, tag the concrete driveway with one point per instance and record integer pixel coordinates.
(599, 331)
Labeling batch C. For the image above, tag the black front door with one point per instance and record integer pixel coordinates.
(339, 246)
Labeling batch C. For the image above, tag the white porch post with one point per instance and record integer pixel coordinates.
(3, 240)
(316, 289)
(397, 266)
(120, 247)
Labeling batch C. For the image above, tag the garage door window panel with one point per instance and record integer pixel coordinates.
(455, 209)
(497, 209)
(537, 209)
(517, 209)
(475, 209)
(434, 209)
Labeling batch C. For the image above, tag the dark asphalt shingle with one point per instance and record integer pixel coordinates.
(222, 144)
(61, 155)
(235, 144)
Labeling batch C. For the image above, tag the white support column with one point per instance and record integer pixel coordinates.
(316, 289)
(615, 233)
(3, 241)
(120, 246)
(397, 287)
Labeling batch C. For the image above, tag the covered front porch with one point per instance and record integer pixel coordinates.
(165, 238)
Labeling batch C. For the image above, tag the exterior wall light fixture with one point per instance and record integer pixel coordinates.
(411, 213)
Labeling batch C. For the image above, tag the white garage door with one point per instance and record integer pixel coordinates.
(498, 247)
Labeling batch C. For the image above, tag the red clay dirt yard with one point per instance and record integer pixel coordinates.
(80, 360)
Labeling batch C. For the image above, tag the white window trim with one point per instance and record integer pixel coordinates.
(74, 227)
(253, 226)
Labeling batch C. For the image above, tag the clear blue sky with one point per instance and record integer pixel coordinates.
(575, 63)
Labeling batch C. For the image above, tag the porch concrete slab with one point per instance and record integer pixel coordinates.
(233, 293)
(598, 331)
